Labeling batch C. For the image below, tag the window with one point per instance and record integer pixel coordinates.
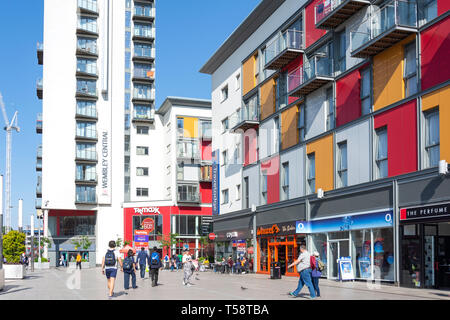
(143, 50)
(180, 171)
(257, 67)
(86, 151)
(410, 74)
(238, 81)
(86, 130)
(142, 112)
(143, 71)
(340, 51)
(87, 109)
(85, 194)
(342, 164)
(189, 149)
(237, 153)
(225, 196)
(301, 123)
(88, 24)
(143, 30)
(87, 66)
(86, 172)
(427, 10)
(330, 109)
(225, 125)
(224, 93)
(238, 192)
(141, 130)
(142, 151)
(140, 172)
(87, 44)
(276, 135)
(142, 91)
(77, 226)
(141, 192)
(138, 224)
(245, 204)
(205, 127)
(225, 158)
(381, 153)
(180, 127)
(187, 225)
(312, 173)
(88, 87)
(188, 193)
(285, 181)
(366, 101)
(263, 188)
(432, 143)
(281, 91)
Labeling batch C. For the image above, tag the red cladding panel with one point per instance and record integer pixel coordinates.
(250, 147)
(206, 150)
(311, 33)
(348, 99)
(271, 167)
(402, 138)
(435, 50)
(294, 64)
(443, 6)
(206, 192)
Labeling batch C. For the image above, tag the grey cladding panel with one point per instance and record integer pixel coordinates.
(234, 224)
(279, 215)
(424, 191)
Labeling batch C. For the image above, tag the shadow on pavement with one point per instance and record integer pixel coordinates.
(10, 289)
(441, 294)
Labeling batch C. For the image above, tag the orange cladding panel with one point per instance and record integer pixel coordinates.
(323, 149)
(441, 99)
(289, 131)
(248, 75)
(267, 94)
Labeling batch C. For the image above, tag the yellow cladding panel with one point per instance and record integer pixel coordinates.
(267, 94)
(441, 99)
(289, 131)
(248, 75)
(323, 149)
(388, 86)
(190, 127)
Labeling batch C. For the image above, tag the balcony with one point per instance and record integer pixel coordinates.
(86, 70)
(38, 203)
(143, 33)
(384, 28)
(143, 94)
(40, 53)
(144, 115)
(285, 48)
(86, 156)
(39, 88)
(89, 179)
(87, 89)
(87, 26)
(39, 165)
(39, 153)
(314, 74)
(87, 47)
(245, 118)
(188, 149)
(143, 54)
(330, 14)
(188, 193)
(39, 124)
(205, 132)
(86, 136)
(88, 7)
(39, 190)
(85, 195)
(143, 75)
(144, 13)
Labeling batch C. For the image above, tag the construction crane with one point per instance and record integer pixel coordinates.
(9, 127)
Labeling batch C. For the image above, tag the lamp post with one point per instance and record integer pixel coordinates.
(32, 242)
(1, 222)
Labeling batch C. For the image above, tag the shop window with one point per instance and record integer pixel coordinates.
(158, 225)
(361, 254)
(76, 226)
(263, 254)
(383, 250)
(186, 225)
(338, 235)
(432, 139)
(319, 244)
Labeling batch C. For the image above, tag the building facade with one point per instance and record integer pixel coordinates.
(330, 120)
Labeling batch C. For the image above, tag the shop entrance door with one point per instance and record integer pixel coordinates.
(282, 258)
(338, 248)
(429, 254)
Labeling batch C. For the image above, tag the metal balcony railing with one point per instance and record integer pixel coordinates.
(144, 74)
(144, 11)
(86, 196)
(90, 5)
(39, 152)
(331, 13)
(283, 49)
(189, 197)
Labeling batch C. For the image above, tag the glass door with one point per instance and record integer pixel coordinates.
(281, 258)
(429, 254)
(338, 249)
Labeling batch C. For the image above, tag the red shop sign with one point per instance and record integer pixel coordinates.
(148, 224)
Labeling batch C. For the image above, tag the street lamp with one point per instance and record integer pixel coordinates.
(1, 222)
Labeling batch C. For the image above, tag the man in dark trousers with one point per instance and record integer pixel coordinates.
(154, 263)
(142, 261)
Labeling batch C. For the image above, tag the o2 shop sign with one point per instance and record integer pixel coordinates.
(148, 224)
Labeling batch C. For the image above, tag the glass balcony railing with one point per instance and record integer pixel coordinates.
(206, 131)
(87, 88)
(144, 74)
(86, 177)
(188, 149)
(143, 114)
(90, 5)
(143, 92)
(288, 40)
(86, 152)
(337, 11)
(144, 31)
(39, 84)
(144, 52)
(144, 11)
(38, 203)
(39, 152)
(86, 195)
(188, 193)
(39, 189)
(317, 67)
(382, 22)
(87, 45)
(39, 123)
(87, 66)
(88, 24)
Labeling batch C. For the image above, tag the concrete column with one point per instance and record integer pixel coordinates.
(255, 246)
(46, 232)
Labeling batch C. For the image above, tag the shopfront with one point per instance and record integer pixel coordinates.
(367, 238)
(278, 243)
(425, 246)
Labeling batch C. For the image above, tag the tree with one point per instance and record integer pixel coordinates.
(167, 241)
(44, 241)
(83, 242)
(13, 246)
(119, 242)
(203, 242)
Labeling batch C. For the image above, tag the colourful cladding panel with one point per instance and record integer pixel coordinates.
(323, 149)
(190, 127)
(311, 33)
(248, 75)
(272, 169)
(443, 6)
(294, 64)
(206, 150)
(250, 146)
(435, 54)
(267, 94)
(206, 192)
(441, 99)
(348, 98)
(289, 131)
(402, 137)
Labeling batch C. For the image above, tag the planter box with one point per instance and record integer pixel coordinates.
(2, 279)
(84, 265)
(14, 271)
(42, 265)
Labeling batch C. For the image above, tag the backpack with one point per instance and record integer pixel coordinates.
(312, 261)
(110, 258)
(155, 259)
(320, 265)
(127, 264)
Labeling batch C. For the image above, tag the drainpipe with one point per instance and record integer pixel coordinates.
(255, 246)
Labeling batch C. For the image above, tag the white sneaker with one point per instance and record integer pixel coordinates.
(184, 283)
(189, 285)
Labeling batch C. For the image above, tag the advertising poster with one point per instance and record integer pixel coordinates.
(140, 239)
(346, 269)
(365, 268)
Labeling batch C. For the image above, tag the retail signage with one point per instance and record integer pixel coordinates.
(147, 210)
(435, 211)
(365, 269)
(382, 219)
(105, 169)
(215, 183)
(141, 236)
(346, 268)
(148, 224)
(277, 229)
(233, 234)
(239, 243)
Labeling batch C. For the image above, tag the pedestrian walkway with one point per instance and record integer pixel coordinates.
(90, 284)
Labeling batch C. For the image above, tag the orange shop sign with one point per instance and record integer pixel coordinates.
(271, 230)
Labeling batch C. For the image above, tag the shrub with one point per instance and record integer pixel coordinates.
(13, 246)
(36, 260)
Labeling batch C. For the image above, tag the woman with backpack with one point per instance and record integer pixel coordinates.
(129, 269)
(317, 273)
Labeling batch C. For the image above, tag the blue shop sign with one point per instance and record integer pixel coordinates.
(375, 220)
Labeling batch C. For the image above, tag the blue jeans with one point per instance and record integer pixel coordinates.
(315, 281)
(142, 270)
(305, 279)
(126, 278)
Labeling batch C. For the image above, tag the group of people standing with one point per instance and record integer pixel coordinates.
(241, 265)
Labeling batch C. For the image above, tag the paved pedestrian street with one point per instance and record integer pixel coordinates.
(90, 284)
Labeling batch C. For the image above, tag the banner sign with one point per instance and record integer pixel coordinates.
(280, 229)
(105, 168)
(239, 243)
(141, 236)
(382, 219)
(427, 212)
(215, 183)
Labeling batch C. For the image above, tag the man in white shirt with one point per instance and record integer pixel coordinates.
(304, 269)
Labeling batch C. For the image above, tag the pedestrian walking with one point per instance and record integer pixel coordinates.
(154, 265)
(317, 273)
(78, 260)
(166, 261)
(111, 261)
(173, 263)
(188, 268)
(303, 264)
(129, 270)
(142, 261)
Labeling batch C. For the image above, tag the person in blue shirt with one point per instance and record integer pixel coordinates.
(154, 263)
(142, 261)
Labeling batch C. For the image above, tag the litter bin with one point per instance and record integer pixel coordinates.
(275, 270)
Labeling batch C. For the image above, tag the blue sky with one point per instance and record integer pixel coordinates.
(187, 34)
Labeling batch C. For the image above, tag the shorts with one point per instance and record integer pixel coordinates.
(111, 273)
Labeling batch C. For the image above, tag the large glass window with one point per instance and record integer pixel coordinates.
(301, 123)
(158, 225)
(143, 50)
(86, 194)
(432, 139)
(427, 10)
(282, 91)
(263, 254)
(86, 151)
(86, 172)
(312, 173)
(340, 51)
(87, 109)
(142, 112)
(77, 226)
(88, 24)
(381, 153)
(285, 181)
(366, 100)
(319, 244)
(86, 129)
(142, 91)
(188, 193)
(383, 248)
(410, 73)
(361, 254)
(187, 225)
(263, 188)
(87, 87)
(330, 109)
(87, 66)
(87, 44)
(143, 30)
(144, 71)
(246, 204)
(342, 164)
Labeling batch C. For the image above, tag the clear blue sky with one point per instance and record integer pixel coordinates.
(187, 34)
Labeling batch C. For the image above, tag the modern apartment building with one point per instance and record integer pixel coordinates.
(330, 119)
